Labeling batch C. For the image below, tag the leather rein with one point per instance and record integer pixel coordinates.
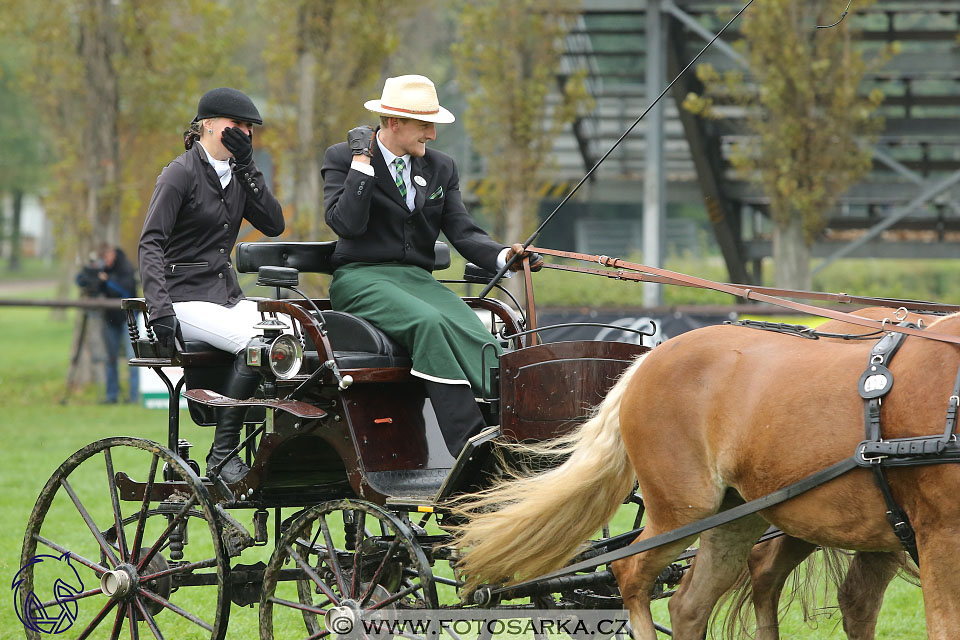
(631, 271)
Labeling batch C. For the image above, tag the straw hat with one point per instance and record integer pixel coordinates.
(410, 97)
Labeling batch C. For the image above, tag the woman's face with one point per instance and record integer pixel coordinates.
(213, 130)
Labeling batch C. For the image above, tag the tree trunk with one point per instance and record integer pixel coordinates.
(16, 215)
(791, 255)
(516, 204)
(307, 171)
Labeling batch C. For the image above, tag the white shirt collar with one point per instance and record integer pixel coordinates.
(222, 167)
(389, 156)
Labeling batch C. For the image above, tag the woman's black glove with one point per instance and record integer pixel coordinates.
(239, 144)
(168, 333)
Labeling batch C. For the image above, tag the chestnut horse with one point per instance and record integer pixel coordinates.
(860, 595)
(720, 415)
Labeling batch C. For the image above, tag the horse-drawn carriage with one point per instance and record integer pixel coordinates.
(345, 454)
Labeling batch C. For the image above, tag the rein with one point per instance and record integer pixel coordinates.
(643, 273)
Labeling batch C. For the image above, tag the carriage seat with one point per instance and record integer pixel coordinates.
(358, 344)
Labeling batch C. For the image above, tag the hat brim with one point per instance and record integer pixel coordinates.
(442, 116)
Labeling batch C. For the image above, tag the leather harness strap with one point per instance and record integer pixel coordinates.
(757, 293)
(875, 383)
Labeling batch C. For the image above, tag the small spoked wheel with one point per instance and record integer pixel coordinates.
(124, 538)
(339, 562)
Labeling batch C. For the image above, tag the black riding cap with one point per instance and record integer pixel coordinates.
(227, 103)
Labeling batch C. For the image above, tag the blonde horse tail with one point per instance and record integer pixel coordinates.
(532, 523)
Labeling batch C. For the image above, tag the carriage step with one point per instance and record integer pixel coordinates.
(295, 407)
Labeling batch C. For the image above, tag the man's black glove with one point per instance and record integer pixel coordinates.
(168, 333)
(360, 141)
(536, 260)
(239, 144)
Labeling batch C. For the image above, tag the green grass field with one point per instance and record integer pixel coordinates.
(38, 432)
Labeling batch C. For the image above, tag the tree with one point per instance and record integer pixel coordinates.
(325, 58)
(112, 80)
(806, 117)
(24, 150)
(507, 58)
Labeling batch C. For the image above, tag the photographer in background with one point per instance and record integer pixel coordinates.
(110, 274)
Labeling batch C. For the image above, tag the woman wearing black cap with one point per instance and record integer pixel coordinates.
(190, 286)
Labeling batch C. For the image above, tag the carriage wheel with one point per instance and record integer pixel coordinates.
(95, 558)
(346, 559)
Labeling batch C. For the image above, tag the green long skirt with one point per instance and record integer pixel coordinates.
(443, 335)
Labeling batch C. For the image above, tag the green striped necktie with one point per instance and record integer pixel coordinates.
(400, 184)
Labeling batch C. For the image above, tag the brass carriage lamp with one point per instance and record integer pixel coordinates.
(278, 355)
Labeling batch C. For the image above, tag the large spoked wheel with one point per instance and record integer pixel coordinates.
(347, 559)
(100, 557)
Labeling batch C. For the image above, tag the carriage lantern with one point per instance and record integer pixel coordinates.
(274, 350)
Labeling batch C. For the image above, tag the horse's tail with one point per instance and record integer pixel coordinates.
(532, 523)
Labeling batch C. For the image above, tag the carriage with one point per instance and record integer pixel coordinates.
(345, 452)
(345, 455)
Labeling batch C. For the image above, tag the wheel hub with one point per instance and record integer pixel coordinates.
(120, 582)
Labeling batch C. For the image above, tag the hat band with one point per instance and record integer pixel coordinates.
(384, 106)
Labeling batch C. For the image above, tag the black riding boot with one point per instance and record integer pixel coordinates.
(458, 415)
(241, 385)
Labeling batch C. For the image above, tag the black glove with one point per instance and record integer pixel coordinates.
(168, 333)
(360, 141)
(536, 260)
(239, 144)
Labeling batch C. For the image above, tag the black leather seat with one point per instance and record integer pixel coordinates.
(358, 344)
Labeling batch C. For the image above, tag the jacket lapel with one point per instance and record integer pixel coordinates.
(420, 167)
(384, 179)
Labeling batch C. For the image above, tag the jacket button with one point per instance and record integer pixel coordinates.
(220, 275)
(222, 250)
(256, 190)
(226, 226)
(246, 175)
(407, 246)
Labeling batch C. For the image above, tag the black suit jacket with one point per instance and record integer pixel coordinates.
(373, 222)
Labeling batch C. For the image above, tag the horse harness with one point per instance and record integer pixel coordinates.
(874, 453)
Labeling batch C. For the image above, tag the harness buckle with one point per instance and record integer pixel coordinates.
(873, 460)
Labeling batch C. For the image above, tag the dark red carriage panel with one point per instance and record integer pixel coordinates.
(547, 389)
(388, 426)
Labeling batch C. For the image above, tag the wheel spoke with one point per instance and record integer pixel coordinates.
(186, 568)
(148, 618)
(297, 605)
(97, 619)
(403, 593)
(134, 629)
(115, 503)
(166, 532)
(178, 610)
(79, 596)
(117, 624)
(106, 548)
(376, 574)
(319, 634)
(332, 559)
(358, 540)
(305, 566)
(97, 568)
(142, 519)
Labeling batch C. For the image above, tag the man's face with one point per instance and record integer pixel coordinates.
(410, 136)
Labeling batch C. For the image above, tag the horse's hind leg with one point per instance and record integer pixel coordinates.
(861, 593)
(770, 564)
(720, 561)
(636, 576)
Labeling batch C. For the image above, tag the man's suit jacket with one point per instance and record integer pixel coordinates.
(373, 222)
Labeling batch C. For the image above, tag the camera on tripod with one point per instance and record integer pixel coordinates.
(89, 277)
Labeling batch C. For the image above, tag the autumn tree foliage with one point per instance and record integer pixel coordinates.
(507, 56)
(806, 116)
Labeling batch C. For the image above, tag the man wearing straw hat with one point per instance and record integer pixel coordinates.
(388, 198)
